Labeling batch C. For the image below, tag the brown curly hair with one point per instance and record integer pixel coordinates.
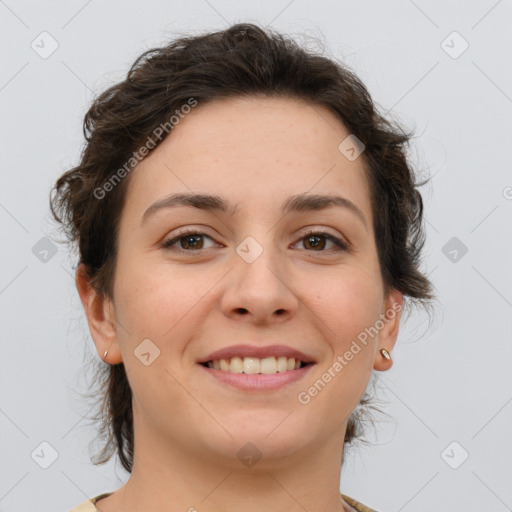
(244, 60)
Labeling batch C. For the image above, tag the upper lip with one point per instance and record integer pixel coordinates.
(257, 351)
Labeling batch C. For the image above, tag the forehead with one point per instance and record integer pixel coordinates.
(259, 150)
(241, 125)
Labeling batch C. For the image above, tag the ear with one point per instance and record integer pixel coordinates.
(100, 317)
(391, 314)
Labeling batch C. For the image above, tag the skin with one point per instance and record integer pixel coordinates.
(255, 152)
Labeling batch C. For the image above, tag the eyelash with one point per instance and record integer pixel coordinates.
(341, 245)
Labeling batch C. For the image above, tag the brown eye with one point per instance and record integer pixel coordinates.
(189, 242)
(316, 241)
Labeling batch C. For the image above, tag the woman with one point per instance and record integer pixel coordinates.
(248, 229)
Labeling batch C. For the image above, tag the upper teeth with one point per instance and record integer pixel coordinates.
(267, 365)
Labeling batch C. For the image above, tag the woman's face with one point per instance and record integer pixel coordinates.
(251, 277)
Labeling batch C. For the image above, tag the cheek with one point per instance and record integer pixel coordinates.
(349, 302)
(152, 300)
(347, 307)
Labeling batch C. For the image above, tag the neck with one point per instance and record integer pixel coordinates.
(192, 480)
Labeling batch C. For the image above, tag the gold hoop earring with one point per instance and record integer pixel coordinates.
(385, 354)
(105, 353)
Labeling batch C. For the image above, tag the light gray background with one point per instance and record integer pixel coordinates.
(452, 384)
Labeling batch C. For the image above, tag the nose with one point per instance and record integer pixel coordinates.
(260, 290)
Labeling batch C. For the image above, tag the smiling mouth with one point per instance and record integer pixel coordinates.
(254, 365)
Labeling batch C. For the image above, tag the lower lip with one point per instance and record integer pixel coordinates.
(258, 381)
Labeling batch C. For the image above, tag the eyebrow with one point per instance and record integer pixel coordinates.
(297, 203)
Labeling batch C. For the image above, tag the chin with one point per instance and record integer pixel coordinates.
(262, 442)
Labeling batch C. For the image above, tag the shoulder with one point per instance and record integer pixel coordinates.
(86, 506)
(89, 505)
(356, 505)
